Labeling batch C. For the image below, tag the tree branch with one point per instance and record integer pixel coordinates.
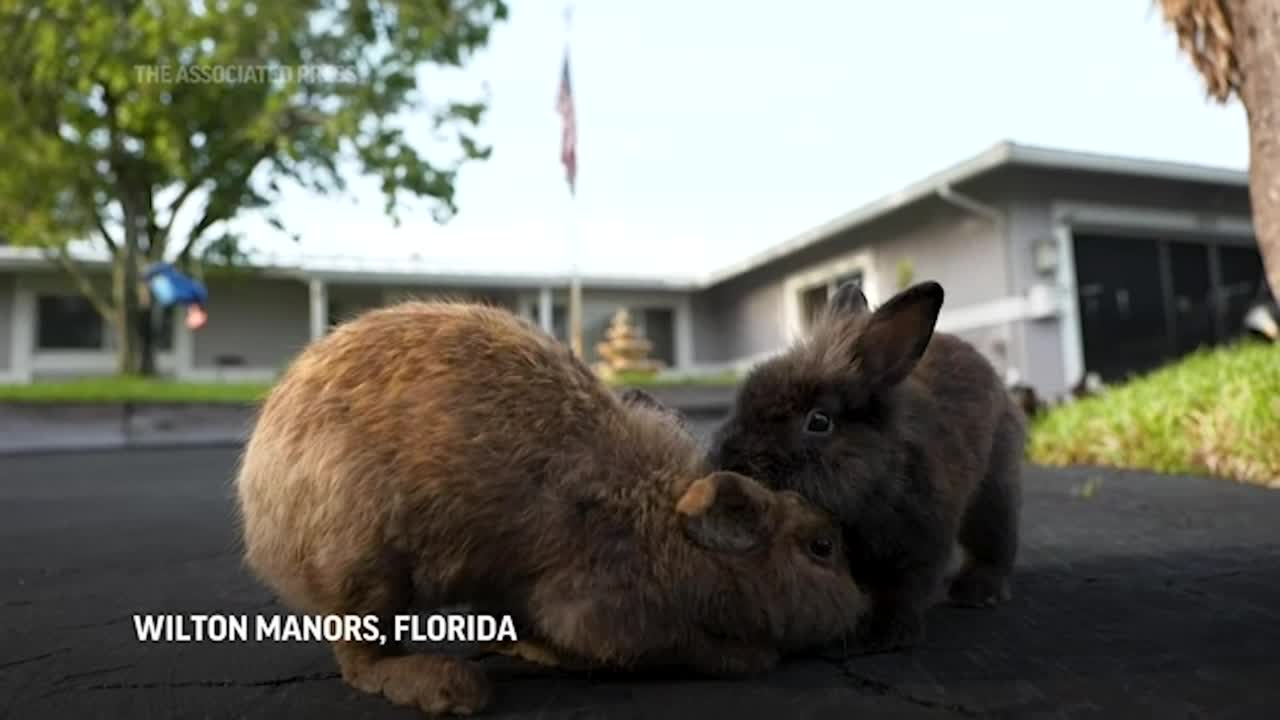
(155, 241)
(86, 197)
(194, 184)
(290, 120)
(106, 236)
(213, 212)
(178, 202)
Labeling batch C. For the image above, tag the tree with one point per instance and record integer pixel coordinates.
(1235, 44)
(143, 127)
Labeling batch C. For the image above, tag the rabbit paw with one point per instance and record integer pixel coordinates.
(435, 685)
(979, 587)
(535, 652)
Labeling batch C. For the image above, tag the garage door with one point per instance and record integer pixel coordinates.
(1144, 301)
(1122, 321)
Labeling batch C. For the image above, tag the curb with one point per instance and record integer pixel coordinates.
(27, 428)
(44, 428)
(75, 447)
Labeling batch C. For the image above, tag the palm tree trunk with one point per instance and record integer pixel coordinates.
(1256, 29)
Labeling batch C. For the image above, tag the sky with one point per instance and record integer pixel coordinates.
(710, 130)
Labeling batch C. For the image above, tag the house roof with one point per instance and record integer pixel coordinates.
(415, 271)
(1003, 154)
(407, 272)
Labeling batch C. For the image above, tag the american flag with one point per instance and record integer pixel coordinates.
(569, 136)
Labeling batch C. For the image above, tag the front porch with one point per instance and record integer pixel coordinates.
(259, 320)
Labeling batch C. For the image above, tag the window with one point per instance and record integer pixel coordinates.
(812, 302)
(855, 276)
(814, 298)
(560, 323)
(67, 322)
(658, 326)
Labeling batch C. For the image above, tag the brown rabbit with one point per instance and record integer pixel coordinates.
(907, 437)
(431, 455)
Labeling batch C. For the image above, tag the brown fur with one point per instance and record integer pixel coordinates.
(437, 454)
(922, 453)
(640, 398)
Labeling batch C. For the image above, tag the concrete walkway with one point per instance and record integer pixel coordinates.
(1137, 596)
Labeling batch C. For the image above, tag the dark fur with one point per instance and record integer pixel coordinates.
(1026, 398)
(431, 455)
(925, 453)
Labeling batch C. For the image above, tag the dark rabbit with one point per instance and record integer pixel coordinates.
(908, 437)
(433, 455)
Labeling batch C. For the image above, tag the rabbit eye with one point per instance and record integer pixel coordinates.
(819, 423)
(821, 548)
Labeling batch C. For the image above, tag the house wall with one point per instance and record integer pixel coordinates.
(1037, 344)
(710, 341)
(261, 321)
(272, 316)
(748, 315)
(739, 319)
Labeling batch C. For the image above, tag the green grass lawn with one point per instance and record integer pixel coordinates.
(116, 389)
(717, 380)
(1215, 412)
(128, 389)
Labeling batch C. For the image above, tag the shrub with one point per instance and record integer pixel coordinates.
(1214, 412)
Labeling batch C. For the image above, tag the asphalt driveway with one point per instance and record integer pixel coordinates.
(1137, 596)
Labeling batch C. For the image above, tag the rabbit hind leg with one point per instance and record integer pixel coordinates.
(989, 531)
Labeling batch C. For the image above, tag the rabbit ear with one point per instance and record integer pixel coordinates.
(725, 511)
(897, 334)
(848, 299)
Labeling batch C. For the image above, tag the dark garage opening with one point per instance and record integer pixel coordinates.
(1146, 300)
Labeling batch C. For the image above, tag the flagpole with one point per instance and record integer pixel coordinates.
(575, 279)
(575, 287)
